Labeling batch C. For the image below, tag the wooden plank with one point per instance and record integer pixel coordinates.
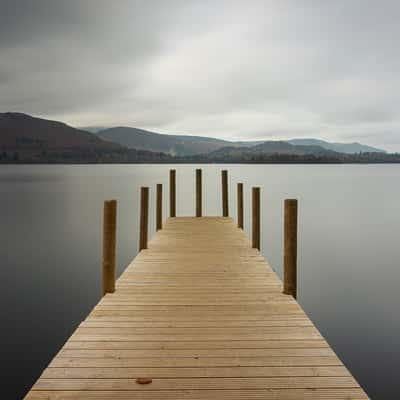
(99, 323)
(126, 353)
(210, 372)
(246, 331)
(179, 319)
(202, 383)
(255, 344)
(260, 394)
(196, 337)
(202, 314)
(195, 362)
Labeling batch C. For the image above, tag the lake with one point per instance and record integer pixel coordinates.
(349, 252)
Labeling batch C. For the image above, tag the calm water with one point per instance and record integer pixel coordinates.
(349, 252)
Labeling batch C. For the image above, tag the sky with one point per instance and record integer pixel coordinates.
(236, 70)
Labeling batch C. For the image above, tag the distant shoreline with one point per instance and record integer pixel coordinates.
(205, 163)
(25, 139)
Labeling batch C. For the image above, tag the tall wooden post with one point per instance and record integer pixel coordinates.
(256, 217)
(290, 248)
(240, 205)
(159, 207)
(172, 193)
(144, 217)
(224, 181)
(109, 244)
(198, 193)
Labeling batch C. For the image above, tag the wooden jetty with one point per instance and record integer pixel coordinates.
(198, 314)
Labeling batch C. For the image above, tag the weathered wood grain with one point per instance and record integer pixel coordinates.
(202, 314)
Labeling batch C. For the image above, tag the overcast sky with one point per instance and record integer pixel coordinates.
(229, 69)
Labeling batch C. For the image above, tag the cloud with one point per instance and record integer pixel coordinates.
(231, 69)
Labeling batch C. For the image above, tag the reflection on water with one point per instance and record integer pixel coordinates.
(349, 224)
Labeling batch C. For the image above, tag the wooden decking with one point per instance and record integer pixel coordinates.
(202, 314)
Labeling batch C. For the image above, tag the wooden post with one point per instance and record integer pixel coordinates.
(290, 248)
(240, 205)
(198, 193)
(256, 217)
(109, 244)
(144, 217)
(172, 193)
(225, 206)
(159, 207)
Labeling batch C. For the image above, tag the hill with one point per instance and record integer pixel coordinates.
(25, 138)
(177, 145)
(276, 152)
(185, 145)
(282, 147)
(347, 148)
(272, 150)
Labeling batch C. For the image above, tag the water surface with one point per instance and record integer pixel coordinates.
(349, 225)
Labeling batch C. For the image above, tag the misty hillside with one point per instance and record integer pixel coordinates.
(179, 145)
(23, 131)
(348, 148)
(280, 152)
(234, 154)
(283, 147)
(30, 139)
(185, 145)
(24, 138)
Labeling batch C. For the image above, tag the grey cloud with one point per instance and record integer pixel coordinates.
(232, 69)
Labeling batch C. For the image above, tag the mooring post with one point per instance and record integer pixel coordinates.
(240, 205)
(198, 193)
(172, 193)
(290, 248)
(256, 217)
(159, 207)
(144, 217)
(224, 181)
(109, 244)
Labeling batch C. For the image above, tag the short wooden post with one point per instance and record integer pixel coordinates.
(290, 248)
(109, 244)
(144, 217)
(240, 205)
(198, 193)
(159, 207)
(172, 193)
(256, 217)
(224, 181)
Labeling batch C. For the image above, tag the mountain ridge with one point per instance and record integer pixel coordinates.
(31, 139)
(28, 139)
(348, 148)
(185, 145)
(180, 145)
